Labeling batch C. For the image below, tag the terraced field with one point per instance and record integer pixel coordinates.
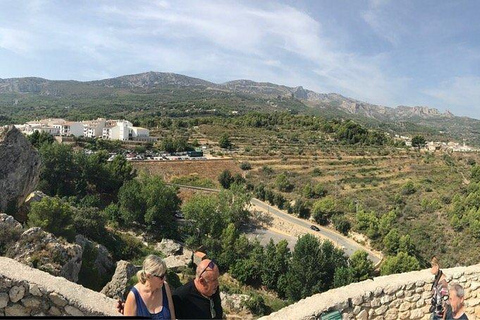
(358, 178)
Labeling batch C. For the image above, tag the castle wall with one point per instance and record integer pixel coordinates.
(26, 291)
(399, 296)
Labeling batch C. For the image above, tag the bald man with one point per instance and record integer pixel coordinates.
(200, 298)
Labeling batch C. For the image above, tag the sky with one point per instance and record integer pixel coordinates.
(386, 52)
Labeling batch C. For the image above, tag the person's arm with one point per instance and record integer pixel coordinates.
(130, 308)
(170, 301)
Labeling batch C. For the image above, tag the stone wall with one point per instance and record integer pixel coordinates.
(25, 291)
(399, 296)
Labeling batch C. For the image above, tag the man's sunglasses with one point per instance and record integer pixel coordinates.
(210, 265)
(161, 277)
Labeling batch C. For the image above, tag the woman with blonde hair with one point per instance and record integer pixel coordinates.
(151, 296)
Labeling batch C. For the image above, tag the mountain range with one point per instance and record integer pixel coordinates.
(266, 96)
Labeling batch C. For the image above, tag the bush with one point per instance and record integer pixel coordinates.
(54, 216)
(256, 305)
(245, 166)
(408, 188)
(8, 237)
(341, 224)
(283, 184)
(226, 179)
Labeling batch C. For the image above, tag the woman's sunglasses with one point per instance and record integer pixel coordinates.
(161, 277)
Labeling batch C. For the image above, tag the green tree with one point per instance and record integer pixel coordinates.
(54, 216)
(475, 173)
(341, 224)
(224, 142)
(282, 183)
(228, 240)
(305, 276)
(312, 267)
(367, 222)
(406, 245)
(402, 262)
(59, 173)
(248, 269)
(39, 138)
(225, 178)
(323, 209)
(391, 242)
(362, 267)
(90, 222)
(418, 142)
(150, 202)
(386, 222)
(301, 208)
(343, 276)
(275, 264)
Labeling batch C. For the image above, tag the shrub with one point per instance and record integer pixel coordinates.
(53, 215)
(245, 166)
(256, 305)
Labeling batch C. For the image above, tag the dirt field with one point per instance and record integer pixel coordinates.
(202, 168)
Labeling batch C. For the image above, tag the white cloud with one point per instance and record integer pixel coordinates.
(215, 40)
(382, 22)
(272, 36)
(463, 92)
(18, 41)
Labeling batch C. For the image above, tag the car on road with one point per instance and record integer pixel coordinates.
(314, 228)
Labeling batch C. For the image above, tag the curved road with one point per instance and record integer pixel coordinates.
(348, 245)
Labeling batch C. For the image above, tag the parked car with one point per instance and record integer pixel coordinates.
(314, 228)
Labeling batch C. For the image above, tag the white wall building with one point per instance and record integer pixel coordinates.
(70, 128)
(100, 128)
(94, 128)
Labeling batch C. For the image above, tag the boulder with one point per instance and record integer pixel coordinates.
(102, 262)
(19, 168)
(176, 262)
(35, 196)
(233, 302)
(117, 287)
(8, 222)
(169, 247)
(42, 250)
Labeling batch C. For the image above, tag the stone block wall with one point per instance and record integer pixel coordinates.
(25, 291)
(399, 296)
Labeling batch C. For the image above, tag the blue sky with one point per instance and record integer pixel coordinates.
(424, 52)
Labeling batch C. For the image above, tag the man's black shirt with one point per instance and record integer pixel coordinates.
(190, 304)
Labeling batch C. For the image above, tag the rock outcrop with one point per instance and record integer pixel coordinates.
(97, 259)
(42, 250)
(169, 247)
(35, 196)
(117, 287)
(8, 222)
(19, 168)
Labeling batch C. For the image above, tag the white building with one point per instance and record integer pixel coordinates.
(94, 128)
(101, 128)
(70, 128)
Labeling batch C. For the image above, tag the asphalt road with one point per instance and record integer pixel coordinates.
(348, 245)
(264, 236)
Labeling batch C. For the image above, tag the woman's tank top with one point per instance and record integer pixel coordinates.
(142, 310)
